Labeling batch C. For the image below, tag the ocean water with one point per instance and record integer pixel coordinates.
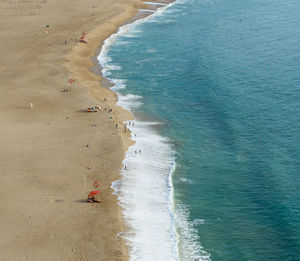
(215, 171)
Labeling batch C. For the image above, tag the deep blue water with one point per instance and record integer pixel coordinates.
(224, 77)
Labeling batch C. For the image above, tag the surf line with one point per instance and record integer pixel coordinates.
(147, 10)
(120, 187)
(155, 3)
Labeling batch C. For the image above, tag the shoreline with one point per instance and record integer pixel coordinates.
(121, 185)
(52, 150)
(120, 114)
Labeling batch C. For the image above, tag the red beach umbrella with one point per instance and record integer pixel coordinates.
(93, 193)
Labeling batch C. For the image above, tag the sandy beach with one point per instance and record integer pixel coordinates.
(210, 170)
(52, 150)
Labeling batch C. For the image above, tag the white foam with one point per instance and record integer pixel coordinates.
(185, 180)
(119, 84)
(147, 10)
(113, 67)
(129, 101)
(197, 222)
(120, 43)
(155, 3)
(145, 191)
(188, 244)
(108, 68)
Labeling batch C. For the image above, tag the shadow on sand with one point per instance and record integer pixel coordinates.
(81, 201)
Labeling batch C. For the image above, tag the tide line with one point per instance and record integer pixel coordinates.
(147, 10)
(155, 3)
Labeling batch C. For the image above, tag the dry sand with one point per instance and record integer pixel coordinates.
(46, 169)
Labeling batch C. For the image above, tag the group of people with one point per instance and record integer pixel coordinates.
(91, 197)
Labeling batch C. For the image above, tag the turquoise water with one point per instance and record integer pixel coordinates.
(223, 78)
